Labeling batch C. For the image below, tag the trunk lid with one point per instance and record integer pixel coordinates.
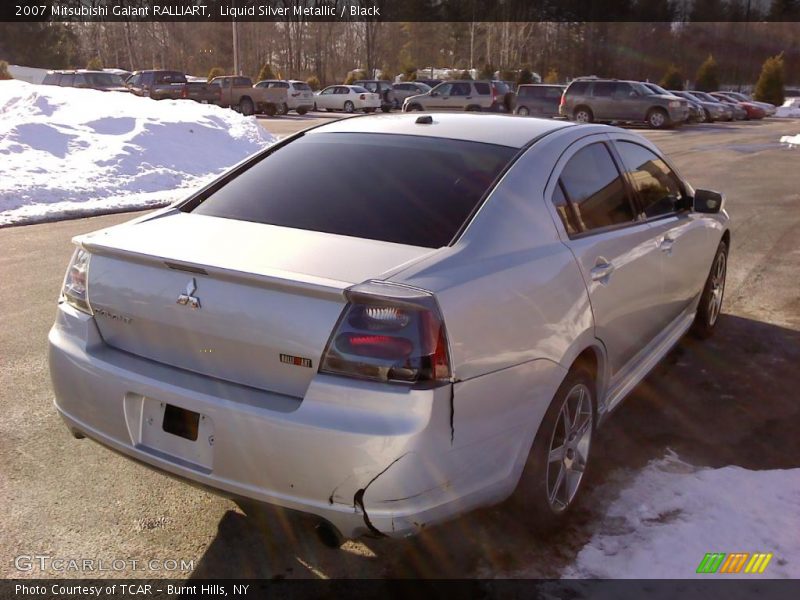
(267, 297)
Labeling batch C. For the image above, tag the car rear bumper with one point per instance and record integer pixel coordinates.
(363, 456)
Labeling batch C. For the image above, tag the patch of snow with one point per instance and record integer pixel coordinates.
(68, 152)
(672, 514)
(790, 108)
(793, 140)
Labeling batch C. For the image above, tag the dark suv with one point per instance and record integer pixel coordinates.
(384, 89)
(539, 99)
(587, 100)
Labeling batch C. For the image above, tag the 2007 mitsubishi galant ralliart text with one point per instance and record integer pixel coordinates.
(386, 321)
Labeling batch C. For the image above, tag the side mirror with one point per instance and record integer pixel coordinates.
(434, 94)
(708, 201)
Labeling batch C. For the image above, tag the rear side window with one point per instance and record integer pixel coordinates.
(657, 186)
(421, 190)
(604, 89)
(67, 80)
(482, 88)
(165, 77)
(594, 188)
(579, 87)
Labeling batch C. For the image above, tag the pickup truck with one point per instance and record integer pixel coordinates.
(238, 93)
(171, 85)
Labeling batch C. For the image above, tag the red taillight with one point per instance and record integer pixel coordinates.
(389, 333)
(185, 92)
(494, 94)
(563, 99)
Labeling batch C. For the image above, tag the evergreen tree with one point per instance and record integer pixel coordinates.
(95, 64)
(770, 83)
(707, 78)
(552, 76)
(266, 72)
(215, 72)
(673, 79)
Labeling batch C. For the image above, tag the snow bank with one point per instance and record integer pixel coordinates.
(790, 108)
(67, 152)
(663, 524)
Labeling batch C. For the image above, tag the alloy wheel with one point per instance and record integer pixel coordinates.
(717, 288)
(569, 448)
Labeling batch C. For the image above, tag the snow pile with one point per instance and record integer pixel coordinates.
(790, 108)
(663, 524)
(68, 152)
(793, 140)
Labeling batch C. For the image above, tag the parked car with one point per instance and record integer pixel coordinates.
(712, 111)
(84, 78)
(539, 99)
(121, 73)
(299, 95)
(751, 111)
(769, 109)
(239, 93)
(487, 96)
(384, 89)
(592, 99)
(729, 110)
(390, 360)
(696, 114)
(348, 98)
(409, 88)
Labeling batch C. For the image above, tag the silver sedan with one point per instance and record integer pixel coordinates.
(391, 355)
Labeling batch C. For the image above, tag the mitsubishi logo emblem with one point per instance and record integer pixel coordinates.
(188, 298)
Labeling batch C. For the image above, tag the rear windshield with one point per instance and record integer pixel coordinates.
(104, 79)
(396, 188)
(170, 77)
(358, 89)
(302, 86)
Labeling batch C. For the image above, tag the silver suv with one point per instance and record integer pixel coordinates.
(486, 96)
(587, 100)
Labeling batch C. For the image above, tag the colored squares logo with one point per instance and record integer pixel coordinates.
(737, 562)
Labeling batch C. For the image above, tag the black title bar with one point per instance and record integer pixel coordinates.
(399, 10)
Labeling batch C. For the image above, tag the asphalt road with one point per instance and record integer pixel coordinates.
(730, 400)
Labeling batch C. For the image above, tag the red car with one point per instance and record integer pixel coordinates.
(753, 111)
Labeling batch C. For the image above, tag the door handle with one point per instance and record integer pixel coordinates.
(602, 270)
(469, 97)
(666, 244)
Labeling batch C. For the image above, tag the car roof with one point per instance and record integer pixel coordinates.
(503, 130)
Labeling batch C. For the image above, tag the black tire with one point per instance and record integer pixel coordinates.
(710, 306)
(657, 118)
(247, 108)
(301, 110)
(708, 116)
(523, 111)
(386, 108)
(349, 107)
(270, 110)
(369, 110)
(541, 474)
(414, 107)
(473, 108)
(583, 114)
(282, 109)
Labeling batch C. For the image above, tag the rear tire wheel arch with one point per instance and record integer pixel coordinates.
(583, 110)
(657, 118)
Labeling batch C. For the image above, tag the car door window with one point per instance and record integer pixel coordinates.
(67, 80)
(327, 91)
(595, 189)
(460, 89)
(483, 89)
(444, 89)
(604, 89)
(622, 91)
(657, 186)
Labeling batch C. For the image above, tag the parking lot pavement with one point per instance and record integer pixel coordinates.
(730, 400)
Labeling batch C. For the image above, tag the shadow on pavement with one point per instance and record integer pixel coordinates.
(730, 400)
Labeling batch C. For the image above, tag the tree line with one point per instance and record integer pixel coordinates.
(328, 51)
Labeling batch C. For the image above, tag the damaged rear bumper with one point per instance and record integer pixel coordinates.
(366, 457)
